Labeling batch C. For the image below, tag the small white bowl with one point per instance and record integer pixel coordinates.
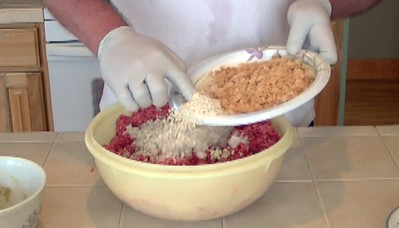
(21, 188)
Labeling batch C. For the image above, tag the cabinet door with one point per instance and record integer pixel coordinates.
(23, 99)
(19, 48)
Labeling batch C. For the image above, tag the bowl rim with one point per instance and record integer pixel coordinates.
(32, 196)
(143, 168)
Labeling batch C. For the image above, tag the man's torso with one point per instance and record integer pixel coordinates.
(199, 29)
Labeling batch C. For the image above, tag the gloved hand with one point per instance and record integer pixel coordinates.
(311, 19)
(135, 68)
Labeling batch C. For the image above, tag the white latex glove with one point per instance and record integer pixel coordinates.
(311, 19)
(135, 68)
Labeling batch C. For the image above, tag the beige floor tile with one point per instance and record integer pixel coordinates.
(364, 204)
(388, 130)
(70, 136)
(80, 207)
(70, 163)
(294, 167)
(392, 143)
(36, 152)
(284, 205)
(28, 137)
(132, 218)
(336, 131)
(358, 157)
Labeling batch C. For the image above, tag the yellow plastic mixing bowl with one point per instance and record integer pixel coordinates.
(185, 192)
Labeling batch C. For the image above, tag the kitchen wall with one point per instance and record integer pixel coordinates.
(375, 33)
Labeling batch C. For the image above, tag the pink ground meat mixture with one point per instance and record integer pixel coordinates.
(260, 137)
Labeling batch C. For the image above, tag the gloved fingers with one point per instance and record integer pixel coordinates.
(297, 36)
(158, 89)
(125, 97)
(183, 83)
(322, 40)
(178, 61)
(140, 93)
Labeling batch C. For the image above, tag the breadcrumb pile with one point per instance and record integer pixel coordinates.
(259, 85)
(179, 133)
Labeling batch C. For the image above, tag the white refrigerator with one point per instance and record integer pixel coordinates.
(75, 78)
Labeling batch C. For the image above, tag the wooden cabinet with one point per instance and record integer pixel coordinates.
(25, 103)
(20, 48)
(327, 102)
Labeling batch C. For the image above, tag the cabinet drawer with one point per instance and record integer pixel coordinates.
(22, 102)
(19, 48)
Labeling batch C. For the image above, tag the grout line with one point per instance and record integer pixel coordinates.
(25, 141)
(339, 135)
(121, 214)
(358, 179)
(57, 137)
(293, 181)
(389, 149)
(315, 187)
(49, 152)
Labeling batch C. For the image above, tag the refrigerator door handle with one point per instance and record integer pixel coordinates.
(67, 51)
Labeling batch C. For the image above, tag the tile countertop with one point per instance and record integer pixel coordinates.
(331, 177)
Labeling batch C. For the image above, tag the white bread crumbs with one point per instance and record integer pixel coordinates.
(180, 134)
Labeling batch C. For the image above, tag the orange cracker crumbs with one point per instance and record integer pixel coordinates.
(256, 86)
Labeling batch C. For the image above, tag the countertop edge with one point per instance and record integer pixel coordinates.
(21, 15)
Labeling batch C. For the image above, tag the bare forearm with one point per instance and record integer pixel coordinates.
(348, 8)
(89, 20)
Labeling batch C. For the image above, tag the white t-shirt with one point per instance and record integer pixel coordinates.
(199, 29)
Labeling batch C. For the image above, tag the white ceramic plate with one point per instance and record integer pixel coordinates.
(321, 67)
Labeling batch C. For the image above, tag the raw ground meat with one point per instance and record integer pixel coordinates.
(260, 137)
